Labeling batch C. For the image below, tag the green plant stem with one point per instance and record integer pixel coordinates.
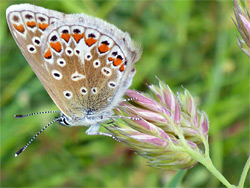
(205, 160)
(244, 173)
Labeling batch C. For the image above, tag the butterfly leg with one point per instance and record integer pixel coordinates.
(130, 99)
(94, 130)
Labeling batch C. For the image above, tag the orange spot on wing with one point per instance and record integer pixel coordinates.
(19, 28)
(65, 36)
(103, 48)
(56, 46)
(117, 62)
(31, 24)
(77, 36)
(42, 26)
(111, 59)
(122, 68)
(47, 54)
(90, 41)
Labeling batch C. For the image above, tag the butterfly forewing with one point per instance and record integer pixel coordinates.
(28, 23)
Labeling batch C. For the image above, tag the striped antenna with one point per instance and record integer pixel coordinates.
(34, 137)
(36, 113)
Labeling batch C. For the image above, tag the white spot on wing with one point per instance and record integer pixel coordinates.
(83, 90)
(77, 27)
(111, 84)
(88, 56)
(56, 74)
(42, 20)
(68, 94)
(60, 30)
(69, 51)
(36, 41)
(53, 20)
(92, 31)
(17, 23)
(105, 39)
(106, 71)
(77, 76)
(31, 48)
(61, 62)
(94, 90)
(29, 17)
(77, 51)
(96, 63)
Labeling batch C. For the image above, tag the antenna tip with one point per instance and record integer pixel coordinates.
(20, 151)
(19, 116)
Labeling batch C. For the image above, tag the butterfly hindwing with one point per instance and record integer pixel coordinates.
(85, 66)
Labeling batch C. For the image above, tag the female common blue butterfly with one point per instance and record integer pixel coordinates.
(84, 63)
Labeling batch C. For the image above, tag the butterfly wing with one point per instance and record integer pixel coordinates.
(84, 63)
(28, 23)
(90, 64)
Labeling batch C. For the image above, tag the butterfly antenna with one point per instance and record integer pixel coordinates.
(36, 113)
(126, 117)
(34, 137)
(130, 99)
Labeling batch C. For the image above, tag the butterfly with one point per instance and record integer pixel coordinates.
(84, 63)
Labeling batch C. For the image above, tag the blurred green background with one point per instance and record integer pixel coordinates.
(185, 43)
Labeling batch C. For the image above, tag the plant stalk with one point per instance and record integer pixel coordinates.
(205, 160)
(244, 173)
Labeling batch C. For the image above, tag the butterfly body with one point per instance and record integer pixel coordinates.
(84, 63)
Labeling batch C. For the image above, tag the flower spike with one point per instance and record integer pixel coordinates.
(170, 126)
